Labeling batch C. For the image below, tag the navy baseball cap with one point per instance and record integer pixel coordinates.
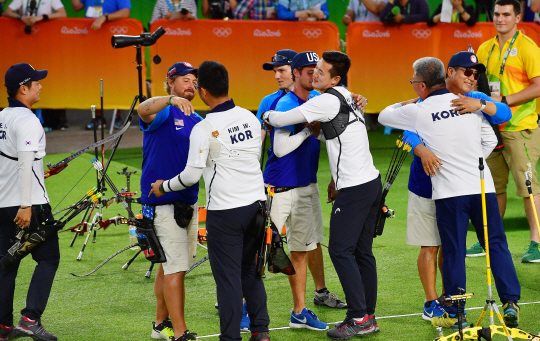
(466, 59)
(304, 59)
(22, 73)
(282, 57)
(181, 69)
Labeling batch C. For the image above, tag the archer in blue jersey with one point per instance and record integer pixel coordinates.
(167, 123)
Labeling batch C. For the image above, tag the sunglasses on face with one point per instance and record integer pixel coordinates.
(470, 72)
(279, 58)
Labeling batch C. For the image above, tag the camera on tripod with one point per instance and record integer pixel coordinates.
(145, 39)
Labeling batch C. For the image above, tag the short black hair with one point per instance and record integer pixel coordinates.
(300, 68)
(340, 63)
(514, 3)
(12, 93)
(214, 78)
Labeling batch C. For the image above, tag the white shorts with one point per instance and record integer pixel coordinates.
(317, 213)
(179, 244)
(422, 227)
(294, 207)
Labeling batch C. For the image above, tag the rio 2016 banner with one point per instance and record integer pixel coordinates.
(242, 46)
(77, 57)
(382, 57)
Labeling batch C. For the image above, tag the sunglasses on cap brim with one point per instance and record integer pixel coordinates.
(281, 59)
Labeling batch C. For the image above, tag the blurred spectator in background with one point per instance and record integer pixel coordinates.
(174, 9)
(302, 10)
(363, 10)
(255, 10)
(218, 9)
(103, 10)
(460, 13)
(1, 6)
(405, 11)
(531, 10)
(32, 11)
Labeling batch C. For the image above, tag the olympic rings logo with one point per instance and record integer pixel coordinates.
(421, 34)
(119, 29)
(35, 29)
(222, 32)
(312, 33)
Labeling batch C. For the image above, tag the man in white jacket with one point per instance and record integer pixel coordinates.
(459, 137)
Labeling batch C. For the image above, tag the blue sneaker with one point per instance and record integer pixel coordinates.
(434, 310)
(244, 324)
(307, 319)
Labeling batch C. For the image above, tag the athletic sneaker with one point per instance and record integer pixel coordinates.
(100, 120)
(306, 319)
(475, 251)
(260, 336)
(328, 299)
(435, 309)
(118, 123)
(350, 327)
(164, 330)
(448, 320)
(511, 314)
(186, 336)
(7, 333)
(374, 323)
(533, 253)
(244, 324)
(34, 329)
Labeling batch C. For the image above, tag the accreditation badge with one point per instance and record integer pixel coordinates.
(495, 88)
(94, 12)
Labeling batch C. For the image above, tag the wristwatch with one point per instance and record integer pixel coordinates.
(19, 17)
(503, 100)
(483, 103)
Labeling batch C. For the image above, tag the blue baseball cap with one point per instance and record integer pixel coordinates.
(282, 57)
(304, 59)
(181, 69)
(22, 73)
(466, 59)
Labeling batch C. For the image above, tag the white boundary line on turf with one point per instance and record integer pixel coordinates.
(378, 318)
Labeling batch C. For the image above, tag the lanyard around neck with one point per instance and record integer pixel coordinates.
(505, 54)
(298, 5)
(360, 5)
(171, 5)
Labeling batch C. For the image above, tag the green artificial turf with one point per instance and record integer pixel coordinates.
(116, 304)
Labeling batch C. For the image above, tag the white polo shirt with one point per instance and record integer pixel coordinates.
(350, 160)
(21, 131)
(232, 181)
(47, 7)
(458, 140)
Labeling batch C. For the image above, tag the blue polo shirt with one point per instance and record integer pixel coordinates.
(109, 6)
(419, 182)
(269, 102)
(165, 153)
(296, 168)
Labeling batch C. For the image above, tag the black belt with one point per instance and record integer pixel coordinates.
(14, 158)
(285, 189)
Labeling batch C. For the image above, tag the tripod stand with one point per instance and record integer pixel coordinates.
(477, 332)
(98, 217)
